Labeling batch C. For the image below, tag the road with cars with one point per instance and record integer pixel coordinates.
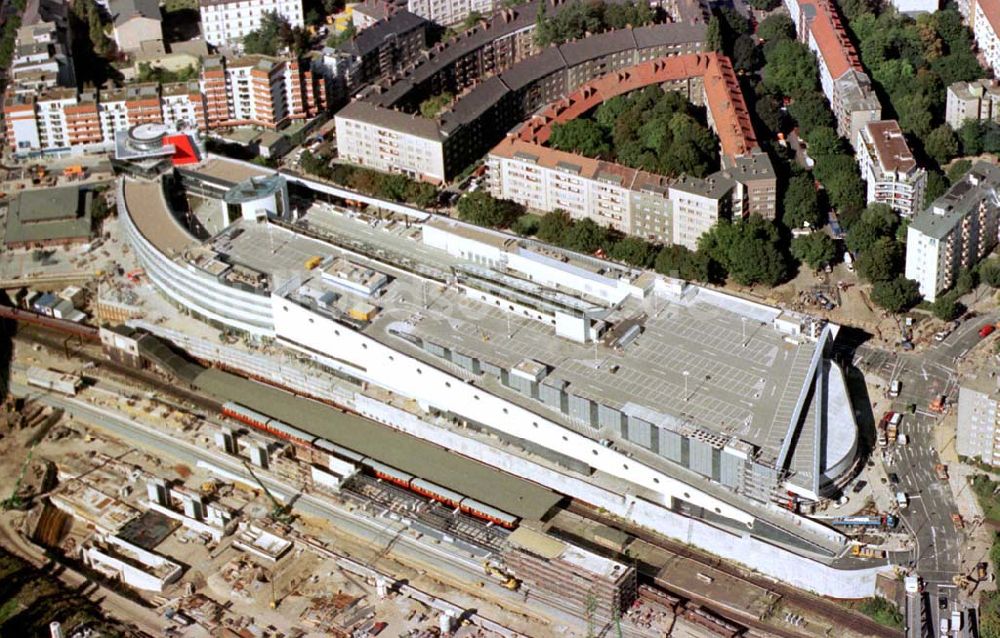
(925, 376)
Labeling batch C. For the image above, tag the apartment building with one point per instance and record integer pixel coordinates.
(40, 58)
(978, 429)
(978, 100)
(257, 91)
(481, 116)
(842, 77)
(955, 232)
(545, 179)
(388, 140)
(630, 201)
(183, 106)
(137, 24)
(889, 168)
(378, 53)
(225, 22)
(985, 23)
(449, 12)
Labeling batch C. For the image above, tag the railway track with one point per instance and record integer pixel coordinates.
(836, 614)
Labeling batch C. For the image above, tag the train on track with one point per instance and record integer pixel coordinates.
(415, 484)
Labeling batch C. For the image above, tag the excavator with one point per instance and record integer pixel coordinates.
(14, 501)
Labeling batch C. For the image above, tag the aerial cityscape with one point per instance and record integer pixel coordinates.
(500, 318)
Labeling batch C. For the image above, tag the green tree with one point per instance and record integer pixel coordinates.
(811, 111)
(432, 106)
(958, 169)
(823, 141)
(421, 194)
(526, 225)
(554, 226)
(746, 55)
(680, 262)
(790, 69)
(896, 295)
(485, 210)
(946, 307)
(472, 19)
(266, 39)
(880, 262)
(582, 136)
(764, 5)
(942, 144)
(815, 249)
(801, 202)
(633, 251)
(839, 176)
(937, 184)
(585, 236)
(713, 35)
(989, 272)
(749, 250)
(776, 27)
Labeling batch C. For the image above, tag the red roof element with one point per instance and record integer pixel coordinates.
(835, 48)
(991, 9)
(185, 153)
(728, 110)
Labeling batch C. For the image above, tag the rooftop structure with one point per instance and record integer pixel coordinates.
(378, 53)
(49, 216)
(615, 379)
(137, 23)
(573, 577)
(226, 22)
(955, 232)
(979, 418)
(889, 168)
(976, 101)
(841, 75)
(747, 182)
(985, 22)
(436, 150)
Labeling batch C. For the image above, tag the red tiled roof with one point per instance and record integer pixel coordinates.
(722, 96)
(991, 9)
(835, 47)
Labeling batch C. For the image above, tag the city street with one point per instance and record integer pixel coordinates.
(923, 377)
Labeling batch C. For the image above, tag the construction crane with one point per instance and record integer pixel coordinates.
(14, 502)
(280, 510)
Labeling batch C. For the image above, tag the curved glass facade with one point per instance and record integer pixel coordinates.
(194, 289)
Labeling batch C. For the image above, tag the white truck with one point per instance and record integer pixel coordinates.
(902, 500)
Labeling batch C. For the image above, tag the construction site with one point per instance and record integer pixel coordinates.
(251, 538)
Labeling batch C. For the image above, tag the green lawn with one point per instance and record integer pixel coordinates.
(986, 491)
(169, 6)
(882, 611)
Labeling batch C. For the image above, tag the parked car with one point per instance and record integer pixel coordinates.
(986, 330)
(860, 485)
(894, 478)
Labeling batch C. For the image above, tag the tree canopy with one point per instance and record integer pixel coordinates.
(749, 251)
(649, 129)
(483, 209)
(815, 249)
(576, 20)
(896, 295)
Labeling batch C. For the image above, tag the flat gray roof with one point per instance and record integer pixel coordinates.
(49, 214)
(227, 170)
(416, 125)
(402, 451)
(151, 214)
(982, 182)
